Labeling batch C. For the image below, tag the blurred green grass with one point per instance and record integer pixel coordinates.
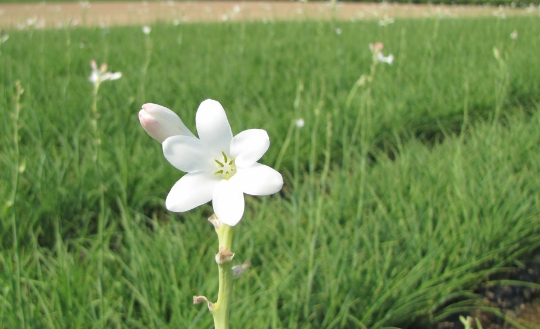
(436, 189)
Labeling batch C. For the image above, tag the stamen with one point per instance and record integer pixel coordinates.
(227, 175)
(224, 156)
(219, 163)
(218, 172)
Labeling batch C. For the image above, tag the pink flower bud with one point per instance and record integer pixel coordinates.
(161, 123)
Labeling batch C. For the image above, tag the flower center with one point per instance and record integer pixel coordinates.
(226, 167)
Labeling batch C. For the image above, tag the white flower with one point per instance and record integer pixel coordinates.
(146, 29)
(300, 123)
(338, 31)
(99, 75)
(500, 12)
(385, 59)
(514, 35)
(376, 50)
(386, 21)
(161, 123)
(220, 168)
(3, 38)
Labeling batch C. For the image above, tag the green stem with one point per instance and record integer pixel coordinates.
(220, 310)
(13, 200)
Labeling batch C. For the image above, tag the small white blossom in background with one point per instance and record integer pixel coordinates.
(500, 12)
(220, 168)
(385, 59)
(334, 4)
(146, 29)
(376, 51)
(514, 35)
(300, 123)
(84, 4)
(338, 31)
(100, 74)
(386, 21)
(237, 9)
(3, 38)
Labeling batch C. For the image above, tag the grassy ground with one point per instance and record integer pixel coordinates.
(400, 196)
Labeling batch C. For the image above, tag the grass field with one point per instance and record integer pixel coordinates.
(401, 196)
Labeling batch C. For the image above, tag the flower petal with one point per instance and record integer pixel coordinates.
(228, 202)
(258, 180)
(249, 146)
(213, 126)
(188, 154)
(191, 191)
(161, 123)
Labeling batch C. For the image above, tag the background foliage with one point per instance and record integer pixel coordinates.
(396, 205)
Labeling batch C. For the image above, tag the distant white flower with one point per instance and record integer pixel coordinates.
(514, 35)
(3, 38)
(224, 17)
(100, 74)
(385, 59)
(146, 29)
(237, 9)
(386, 21)
(338, 31)
(300, 123)
(376, 51)
(220, 168)
(31, 21)
(500, 12)
(334, 4)
(84, 4)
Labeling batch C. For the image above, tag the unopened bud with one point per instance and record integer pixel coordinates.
(377, 47)
(161, 123)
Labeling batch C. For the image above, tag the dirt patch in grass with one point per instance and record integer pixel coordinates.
(511, 301)
(50, 15)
